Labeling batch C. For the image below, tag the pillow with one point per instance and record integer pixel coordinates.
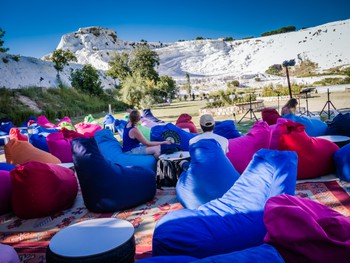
(315, 155)
(303, 230)
(18, 152)
(242, 149)
(41, 189)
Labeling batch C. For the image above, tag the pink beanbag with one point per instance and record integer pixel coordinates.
(16, 134)
(65, 119)
(87, 129)
(270, 116)
(5, 192)
(60, 146)
(315, 155)
(276, 132)
(44, 122)
(185, 122)
(40, 189)
(242, 149)
(306, 231)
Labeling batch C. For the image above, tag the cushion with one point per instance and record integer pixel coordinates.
(234, 221)
(44, 122)
(18, 152)
(340, 125)
(313, 127)
(342, 162)
(270, 116)
(87, 129)
(242, 149)
(226, 129)
(180, 139)
(5, 192)
(198, 185)
(42, 189)
(315, 155)
(185, 122)
(109, 187)
(303, 230)
(16, 134)
(60, 147)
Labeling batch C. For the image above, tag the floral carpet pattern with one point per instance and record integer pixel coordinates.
(31, 237)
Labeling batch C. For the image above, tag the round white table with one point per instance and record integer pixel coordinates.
(339, 140)
(96, 240)
(175, 156)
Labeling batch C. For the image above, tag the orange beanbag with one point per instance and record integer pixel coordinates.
(18, 152)
(315, 155)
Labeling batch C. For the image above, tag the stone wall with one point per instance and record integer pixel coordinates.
(239, 108)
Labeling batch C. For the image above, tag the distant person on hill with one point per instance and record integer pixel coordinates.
(133, 140)
(290, 107)
(207, 124)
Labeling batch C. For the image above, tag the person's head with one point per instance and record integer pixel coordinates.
(134, 117)
(207, 122)
(292, 103)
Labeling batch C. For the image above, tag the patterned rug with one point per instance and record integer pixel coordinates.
(31, 237)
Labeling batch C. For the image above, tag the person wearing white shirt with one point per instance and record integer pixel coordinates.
(207, 124)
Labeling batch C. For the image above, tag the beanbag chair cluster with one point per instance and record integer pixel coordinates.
(112, 151)
(315, 155)
(303, 230)
(18, 152)
(185, 122)
(109, 187)
(203, 181)
(233, 222)
(87, 129)
(41, 189)
(342, 162)
(242, 149)
(5, 192)
(313, 127)
(270, 116)
(226, 129)
(180, 139)
(340, 125)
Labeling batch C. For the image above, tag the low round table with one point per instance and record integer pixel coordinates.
(339, 140)
(176, 156)
(96, 240)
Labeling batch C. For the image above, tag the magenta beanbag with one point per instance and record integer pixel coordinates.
(276, 132)
(306, 231)
(87, 129)
(315, 155)
(270, 115)
(185, 122)
(41, 189)
(5, 192)
(44, 122)
(60, 146)
(242, 149)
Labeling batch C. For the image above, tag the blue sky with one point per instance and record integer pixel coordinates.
(34, 28)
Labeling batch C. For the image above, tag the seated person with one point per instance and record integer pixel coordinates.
(133, 140)
(207, 124)
(290, 107)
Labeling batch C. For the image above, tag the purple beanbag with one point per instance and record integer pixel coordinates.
(5, 192)
(60, 146)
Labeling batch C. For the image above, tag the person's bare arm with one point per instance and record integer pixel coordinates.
(139, 136)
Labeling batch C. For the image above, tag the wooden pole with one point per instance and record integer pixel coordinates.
(289, 87)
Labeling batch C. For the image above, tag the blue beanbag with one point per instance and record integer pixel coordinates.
(340, 125)
(146, 113)
(119, 126)
(313, 127)
(203, 181)
(108, 187)
(112, 150)
(7, 166)
(180, 139)
(226, 129)
(234, 221)
(342, 162)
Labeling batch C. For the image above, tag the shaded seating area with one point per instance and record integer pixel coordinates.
(233, 222)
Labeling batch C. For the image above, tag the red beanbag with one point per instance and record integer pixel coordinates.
(185, 122)
(306, 231)
(60, 146)
(16, 134)
(242, 149)
(5, 192)
(276, 132)
(270, 116)
(315, 155)
(40, 189)
(87, 129)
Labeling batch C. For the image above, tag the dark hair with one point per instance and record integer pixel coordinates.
(134, 117)
(292, 103)
(205, 128)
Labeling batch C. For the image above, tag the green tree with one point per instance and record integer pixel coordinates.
(61, 59)
(119, 67)
(2, 34)
(188, 84)
(133, 90)
(87, 80)
(167, 86)
(143, 62)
